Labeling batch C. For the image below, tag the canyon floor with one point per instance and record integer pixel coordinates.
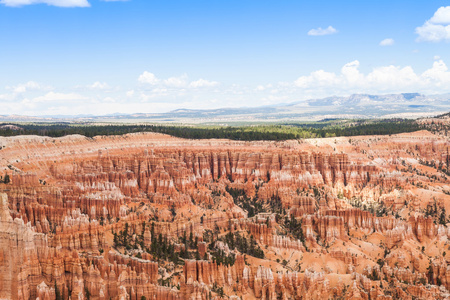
(149, 216)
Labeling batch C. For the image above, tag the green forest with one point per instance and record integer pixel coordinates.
(245, 133)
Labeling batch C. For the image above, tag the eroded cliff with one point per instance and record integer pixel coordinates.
(148, 216)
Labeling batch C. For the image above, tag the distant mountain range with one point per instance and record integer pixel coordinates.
(405, 105)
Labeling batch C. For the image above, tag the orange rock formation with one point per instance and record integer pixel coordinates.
(148, 216)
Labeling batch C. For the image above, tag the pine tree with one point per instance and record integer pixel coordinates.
(443, 217)
(87, 293)
(430, 274)
(116, 240)
(57, 292)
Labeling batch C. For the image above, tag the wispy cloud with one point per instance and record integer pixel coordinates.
(202, 83)
(387, 42)
(176, 81)
(27, 87)
(321, 31)
(99, 86)
(437, 28)
(59, 97)
(148, 78)
(59, 3)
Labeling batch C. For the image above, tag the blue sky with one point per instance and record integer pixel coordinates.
(100, 57)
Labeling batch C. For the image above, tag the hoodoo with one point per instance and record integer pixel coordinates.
(148, 216)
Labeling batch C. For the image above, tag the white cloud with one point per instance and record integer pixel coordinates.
(321, 31)
(438, 74)
(436, 57)
(437, 28)
(148, 78)
(60, 3)
(109, 100)
(27, 87)
(318, 78)
(99, 86)
(391, 77)
(441, 16)
(387, 42)
(203, 83)
(55, 97)
(177, 82)
(433, 32)
(163, 95)
(351, 73)
(152, 94)
(380, 79)
(130, 93)
(261, 87)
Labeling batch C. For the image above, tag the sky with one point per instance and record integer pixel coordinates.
(71, 57)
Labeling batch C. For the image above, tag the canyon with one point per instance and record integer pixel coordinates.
(150, 216)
